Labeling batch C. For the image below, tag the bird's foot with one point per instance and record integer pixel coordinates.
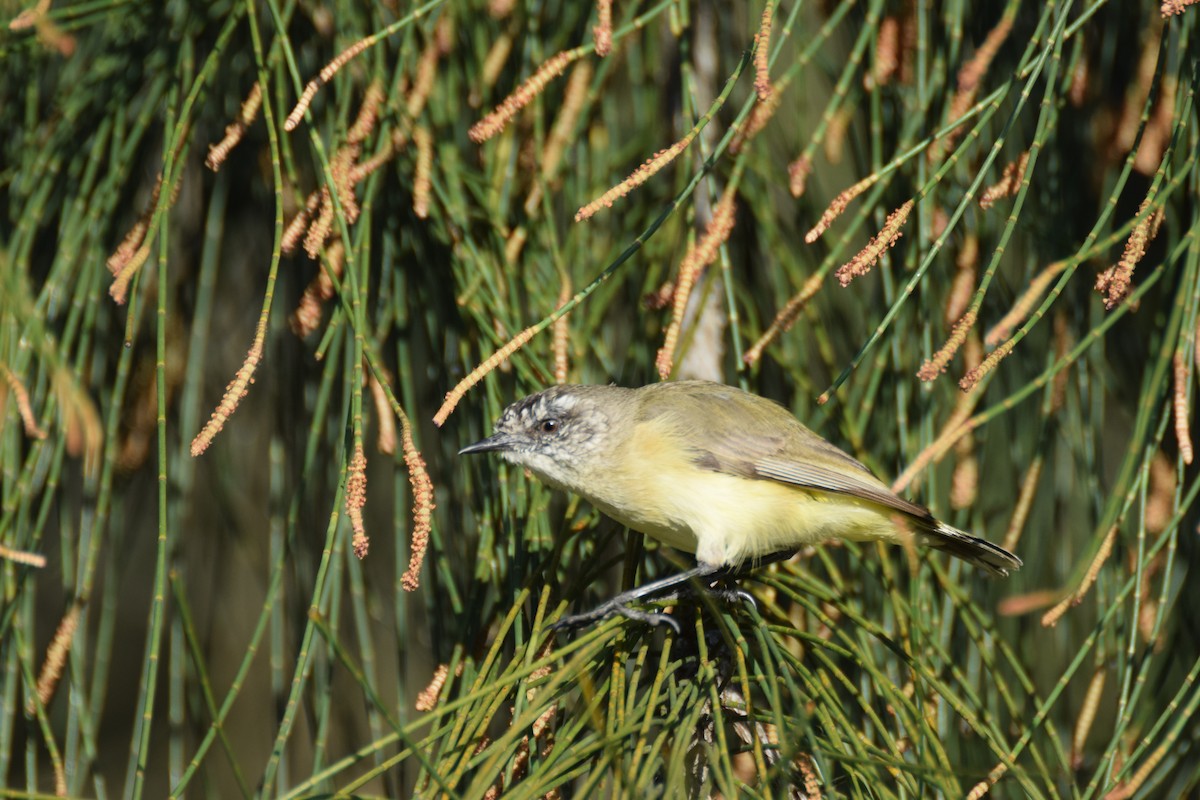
(617, 605)
(731, 594)
(727, 592)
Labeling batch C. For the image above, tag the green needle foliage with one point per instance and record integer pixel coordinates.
(1015, 342)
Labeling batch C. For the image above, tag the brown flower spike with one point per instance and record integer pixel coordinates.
(234, 132)
(798, 172)
(237, 389)
(324, 77)
(561, 339)
(639, 176)
(888, 235)
(24, 407)
(785, 318)
(423, 505)
(838, 206)
(974, 376)
(1183, 433)
(422, 181)
(356, 498)
(1009, 183)
(762, 41)
(495, 122)
(941, 359)
(476, 375)
(603, 30)
(1114, 282)
(1024, 305)
(703, 253)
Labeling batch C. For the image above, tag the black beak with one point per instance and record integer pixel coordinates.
(497, 441)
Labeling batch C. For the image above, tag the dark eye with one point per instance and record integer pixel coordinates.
(548, 425)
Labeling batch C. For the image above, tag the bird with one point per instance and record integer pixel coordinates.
(729, 476)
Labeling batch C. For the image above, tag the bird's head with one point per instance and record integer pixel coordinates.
(559, 434)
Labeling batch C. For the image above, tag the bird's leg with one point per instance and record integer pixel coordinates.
(663, 587)
(699, 579)
(728, 590)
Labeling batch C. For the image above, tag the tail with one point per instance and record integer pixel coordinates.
(980, 552)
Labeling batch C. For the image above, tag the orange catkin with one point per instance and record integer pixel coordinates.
(1079, 82)
(974, 376)
(22, 557)
(838, 206)
(560, 134)
(24, 406)
(937, 365)
(307, 315)
(698, 257)
(477, 374)
(785, 318)
(368, 113)
(1009, 183)
(602, 33)
(561, 338)
(319, 230)
(1129, 789)
(835, 134)
(957, 426)
(124, 274)
(1170, 8)
(495, 122)
(887, 54)
(1115, 281)
(1020, 604)
(798, 172)
(423, 505)
(969, 78)
(428, 696)
(639, 176)
(762, 41)
(324, 77)
(888, 235)
(812, 786)
(299, 224)
(1051, 617)
(237, 389)
(979, 790)
(1024, 305)
(964, 279)
(493, 63)
(1087, 715)
(234, 132)
(356, 498)
(1158, 130)
(386, 441)
(1183, 432)
(1029, 486)
(422, 181)
(424, 79)
(56, 657)
(759, 117)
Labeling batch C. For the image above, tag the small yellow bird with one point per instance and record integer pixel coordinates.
(712, 470)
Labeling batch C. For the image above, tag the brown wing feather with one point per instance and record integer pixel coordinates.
(742, 434)
(865, 486)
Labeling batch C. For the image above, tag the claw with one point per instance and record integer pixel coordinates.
(727, 594)
(654, 618)
(674, 586)
(736, 595)
(606, 610)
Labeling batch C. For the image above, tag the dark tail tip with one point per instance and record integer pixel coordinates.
(980, 552)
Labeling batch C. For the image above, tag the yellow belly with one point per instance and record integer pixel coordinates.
(726, 519)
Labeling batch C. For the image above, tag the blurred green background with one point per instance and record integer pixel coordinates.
(175, 625)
